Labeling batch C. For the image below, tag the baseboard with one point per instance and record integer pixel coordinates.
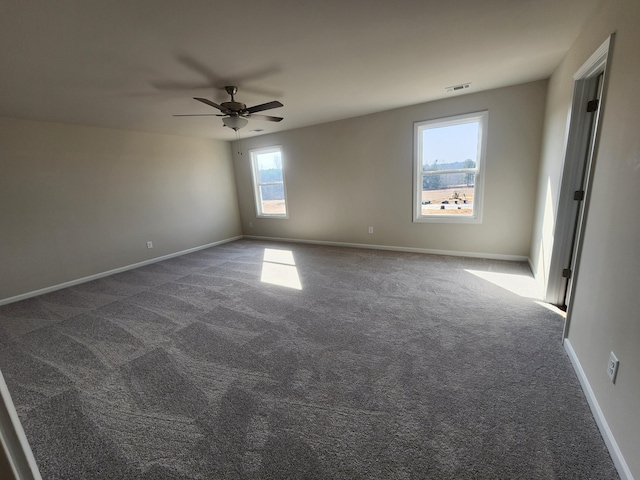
(53, 288)
(532, 268)
(454, 253)
(605, 431)
(96, 276)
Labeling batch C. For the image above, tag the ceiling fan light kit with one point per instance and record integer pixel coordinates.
(235, 122)
(236, 113)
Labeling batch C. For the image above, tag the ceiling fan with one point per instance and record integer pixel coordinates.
(235, 114)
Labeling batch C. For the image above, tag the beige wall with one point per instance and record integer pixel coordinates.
(604, 312)
(77, 201)
(344, 176)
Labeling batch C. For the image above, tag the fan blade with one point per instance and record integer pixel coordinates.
(265, 117)
(201, 115)
(210, 103)
(264, 106)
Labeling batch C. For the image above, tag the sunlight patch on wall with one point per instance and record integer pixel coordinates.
(279, 268)
(548, 228)
(522, 285)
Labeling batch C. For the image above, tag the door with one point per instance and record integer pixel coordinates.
(594, 87)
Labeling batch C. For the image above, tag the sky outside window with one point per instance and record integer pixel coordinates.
(450, 144)
(269, 160)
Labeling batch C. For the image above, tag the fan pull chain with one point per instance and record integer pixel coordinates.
(238, 142)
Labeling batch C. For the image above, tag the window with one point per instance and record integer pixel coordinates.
(449, 164)
(268, 182)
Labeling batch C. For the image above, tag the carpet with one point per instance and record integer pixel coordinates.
(367, 365)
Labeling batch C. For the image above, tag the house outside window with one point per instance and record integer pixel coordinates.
(268, 182)
(449, 160)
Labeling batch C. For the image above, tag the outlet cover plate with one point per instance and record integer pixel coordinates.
(612, 367)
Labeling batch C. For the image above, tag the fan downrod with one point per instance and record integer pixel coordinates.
(231, 90)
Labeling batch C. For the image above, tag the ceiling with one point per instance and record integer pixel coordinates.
(131, 64)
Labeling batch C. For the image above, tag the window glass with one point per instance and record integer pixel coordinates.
(268, 182)
(449, 160)
(269, 167)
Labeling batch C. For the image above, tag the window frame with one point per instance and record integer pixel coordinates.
(482, 117)
(257, 191)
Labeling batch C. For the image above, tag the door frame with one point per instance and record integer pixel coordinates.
(13, 441)
(578, 142)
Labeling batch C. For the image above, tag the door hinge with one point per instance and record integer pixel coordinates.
(566, 273)
(592, 106)
(578, 195)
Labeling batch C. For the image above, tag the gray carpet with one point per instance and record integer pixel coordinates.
(385, 365)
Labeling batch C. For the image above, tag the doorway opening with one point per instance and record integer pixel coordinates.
(590, 83)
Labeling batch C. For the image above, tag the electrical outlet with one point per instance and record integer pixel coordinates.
(612, 367)
(149, 244)
(370, 229)
(250, 224)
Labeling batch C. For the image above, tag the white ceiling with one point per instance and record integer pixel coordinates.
(131, 64)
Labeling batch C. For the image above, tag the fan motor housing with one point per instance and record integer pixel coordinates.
(233, 106)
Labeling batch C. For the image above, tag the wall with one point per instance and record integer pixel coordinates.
(77, 201)
(605, 306)
(344, 176)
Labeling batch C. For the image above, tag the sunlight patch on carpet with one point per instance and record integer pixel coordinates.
(279, 268)
(522, 285)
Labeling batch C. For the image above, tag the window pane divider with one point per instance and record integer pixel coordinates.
(444, 172)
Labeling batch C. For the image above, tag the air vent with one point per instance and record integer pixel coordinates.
(457, 88)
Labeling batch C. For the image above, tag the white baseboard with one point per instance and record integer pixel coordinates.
(53, 288)
(605, 431)
(78, 281)
(454, 253)
(532, 268)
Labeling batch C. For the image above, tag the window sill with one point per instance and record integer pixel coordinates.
(448, 219)
(279, 217)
